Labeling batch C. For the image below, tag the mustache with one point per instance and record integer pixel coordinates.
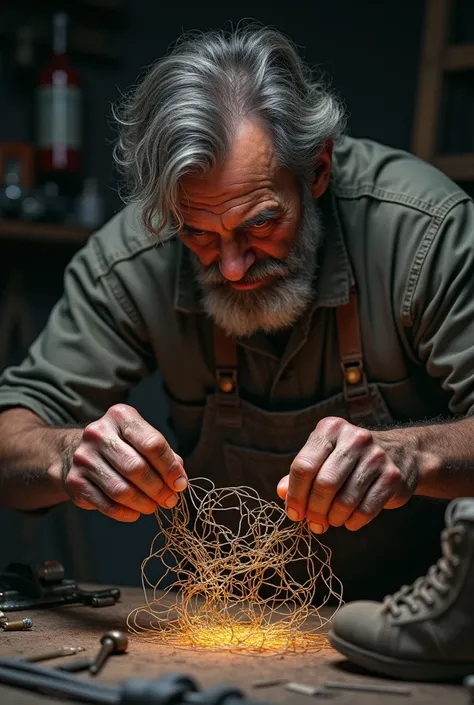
(212, 276)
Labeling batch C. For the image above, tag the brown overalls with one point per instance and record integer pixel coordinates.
(241, 444)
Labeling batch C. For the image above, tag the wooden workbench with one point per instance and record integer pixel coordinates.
(83, 626)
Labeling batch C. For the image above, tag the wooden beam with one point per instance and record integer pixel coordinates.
(459, 167)
(459, 57)
(430, 78)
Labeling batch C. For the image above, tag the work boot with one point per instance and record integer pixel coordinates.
(425, 631)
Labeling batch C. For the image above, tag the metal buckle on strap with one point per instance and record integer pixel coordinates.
(355, 382)
(226, 380)
(229, 412)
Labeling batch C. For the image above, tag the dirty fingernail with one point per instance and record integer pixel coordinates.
(171, 501)
(180, 484)
(292, 514)
(316, 528)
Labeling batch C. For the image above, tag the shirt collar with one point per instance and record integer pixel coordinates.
(334, 278)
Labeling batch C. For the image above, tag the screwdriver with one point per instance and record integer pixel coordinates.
(53, 653)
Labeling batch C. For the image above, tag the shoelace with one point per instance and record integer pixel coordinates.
(436, 581)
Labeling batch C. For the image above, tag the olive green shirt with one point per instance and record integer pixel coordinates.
(397, 227)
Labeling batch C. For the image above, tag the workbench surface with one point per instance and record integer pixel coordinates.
(83, 626)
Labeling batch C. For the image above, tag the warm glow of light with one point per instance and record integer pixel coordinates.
(243, 637)
(249, 638)
(232, 585)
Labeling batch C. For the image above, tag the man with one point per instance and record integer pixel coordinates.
(310, 313)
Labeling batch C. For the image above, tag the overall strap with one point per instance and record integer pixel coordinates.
(356, 390)
(226, 371)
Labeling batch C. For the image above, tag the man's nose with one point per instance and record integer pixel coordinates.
(235, 260)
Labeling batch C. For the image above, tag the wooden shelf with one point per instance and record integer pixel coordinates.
(43, 232)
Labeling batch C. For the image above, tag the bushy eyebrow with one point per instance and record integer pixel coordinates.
(269, 214)
(262, 216)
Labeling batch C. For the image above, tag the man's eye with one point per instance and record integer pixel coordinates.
(193, 233)
(262, 227)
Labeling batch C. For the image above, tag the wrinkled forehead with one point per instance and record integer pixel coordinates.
(248, 173)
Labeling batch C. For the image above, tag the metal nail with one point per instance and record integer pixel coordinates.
(311, 690)
(269, 683)
(368, 687)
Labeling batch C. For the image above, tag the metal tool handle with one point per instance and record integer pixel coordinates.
(53, 653)
(76, 666)
(106, 649)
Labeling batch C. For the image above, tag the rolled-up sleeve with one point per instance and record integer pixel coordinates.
(90, 353)
(442, 307)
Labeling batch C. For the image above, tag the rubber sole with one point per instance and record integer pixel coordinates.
(398, 668)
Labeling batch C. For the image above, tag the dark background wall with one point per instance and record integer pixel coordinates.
(370, 48)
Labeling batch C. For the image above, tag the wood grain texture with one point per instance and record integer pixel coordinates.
(83, 626)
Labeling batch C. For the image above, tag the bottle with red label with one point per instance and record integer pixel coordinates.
(59, 113)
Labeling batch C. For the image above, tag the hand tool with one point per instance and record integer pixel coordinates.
(113, 642)
(53, 653)
(170, 689)
(25, 587)
(99, 598)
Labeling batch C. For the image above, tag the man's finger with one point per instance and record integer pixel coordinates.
(377, 496)
(91, 466)
(329, 480)
(138, 472)
(152, 445)
(334, 472)
(93, 497)
(356, 486)
(302, 473)
(282, 487)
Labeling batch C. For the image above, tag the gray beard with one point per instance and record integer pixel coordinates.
(279, 304)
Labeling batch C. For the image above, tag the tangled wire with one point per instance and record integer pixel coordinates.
(234, 561)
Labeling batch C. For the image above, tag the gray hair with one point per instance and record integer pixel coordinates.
(182, 117)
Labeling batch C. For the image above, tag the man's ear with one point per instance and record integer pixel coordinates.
(323, 170)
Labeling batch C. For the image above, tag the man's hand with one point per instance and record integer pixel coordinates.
(123, 467)
(345, 476)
